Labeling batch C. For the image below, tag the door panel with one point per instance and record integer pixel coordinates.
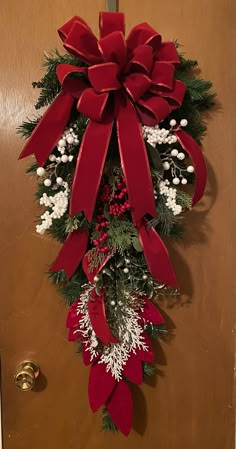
(190, 405)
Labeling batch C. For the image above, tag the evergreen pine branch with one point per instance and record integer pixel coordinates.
(57, 277)
(58, 229)
(148, 369)
(31, 169)
(50, 84)
(27, 127)
(73, 288)
(156, 330)
(107, 423)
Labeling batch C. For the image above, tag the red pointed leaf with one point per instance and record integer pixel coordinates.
(120, 407)
(73, 317)
(133, 369)
(74, 334)
(151, 313)
(100, 385)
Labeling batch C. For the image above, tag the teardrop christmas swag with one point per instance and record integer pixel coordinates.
(114, 152)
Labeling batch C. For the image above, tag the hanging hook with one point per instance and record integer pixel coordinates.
(112, 5)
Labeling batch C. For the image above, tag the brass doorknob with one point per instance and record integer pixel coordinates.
(26, 374)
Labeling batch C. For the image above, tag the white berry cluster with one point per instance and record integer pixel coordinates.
(68, 140)
(155, 135)
(170, 195)
(65, 145)
(58, 205)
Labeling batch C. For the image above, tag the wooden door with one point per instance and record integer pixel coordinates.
(191, 403)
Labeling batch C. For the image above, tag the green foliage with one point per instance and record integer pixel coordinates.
(27, 127)
(31, 169)
(72, 289)
(156, 331)
(58, 229)
(57, 277)
(121, 234)
(148, 369)
(49, 84)
(107, 423)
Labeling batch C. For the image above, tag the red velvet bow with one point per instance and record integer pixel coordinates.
(126, 83)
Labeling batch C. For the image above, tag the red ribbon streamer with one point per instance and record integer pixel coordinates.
(97, 315)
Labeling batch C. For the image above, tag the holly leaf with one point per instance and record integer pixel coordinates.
(136, 244)
(154, 158)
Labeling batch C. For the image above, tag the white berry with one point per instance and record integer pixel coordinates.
(172, 122)
(190, 169)
(174, 152)
(61, 143)
(40, 171)
(47, 182)
(70, 139)
(184, 181)
(64, 158)
(96, 278)
(113, 303)
(127, 261)
(166, 165)
(126, 270)
(145, 277)
(52, 157)
(183, 122)
(59, 181)
(176, 181)
(181, 156)
(70, 158)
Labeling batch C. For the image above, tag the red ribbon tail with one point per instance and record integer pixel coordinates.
(49, 129)
(157, 256)
(97, 315)
(134, 161)
(120, 407)
(71, 252)
(87, 177)
(100, 386)
(194, 151)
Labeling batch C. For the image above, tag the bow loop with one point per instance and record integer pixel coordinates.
(82, 43)
(113, 48)
(163, 74)
(103, 77)
(144, 34)
(136, 85)
(66, 28)
(110, 22)
(141, 60)
(167, 52)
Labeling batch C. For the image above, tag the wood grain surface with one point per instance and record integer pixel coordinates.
(190, 404)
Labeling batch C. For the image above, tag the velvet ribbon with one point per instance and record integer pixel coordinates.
(124, 83)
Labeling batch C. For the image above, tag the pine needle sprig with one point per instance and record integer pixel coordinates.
(50, 84)
(107, 423)
(27, 127)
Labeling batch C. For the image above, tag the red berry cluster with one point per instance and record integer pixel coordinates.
(101, 228)
(105, 194)
(119, 203)
(118, 206)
